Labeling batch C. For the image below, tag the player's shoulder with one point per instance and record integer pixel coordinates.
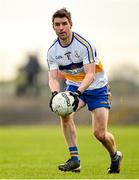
(83, 39)
(52, 46)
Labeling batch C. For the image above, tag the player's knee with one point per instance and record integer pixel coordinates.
(100, 135)
(66, 121)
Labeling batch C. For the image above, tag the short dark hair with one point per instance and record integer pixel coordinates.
(62, 13)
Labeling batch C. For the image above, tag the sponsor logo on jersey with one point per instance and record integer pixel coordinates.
(59, 57)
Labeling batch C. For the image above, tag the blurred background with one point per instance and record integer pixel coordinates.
(26, 34)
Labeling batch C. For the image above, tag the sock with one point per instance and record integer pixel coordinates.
(74, 153)
(114, 157)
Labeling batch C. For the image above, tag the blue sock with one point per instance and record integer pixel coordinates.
(74, 153)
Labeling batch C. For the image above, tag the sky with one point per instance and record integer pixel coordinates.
(25, 26)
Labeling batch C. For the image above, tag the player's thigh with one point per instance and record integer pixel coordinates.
(100, 119)
(80, 105)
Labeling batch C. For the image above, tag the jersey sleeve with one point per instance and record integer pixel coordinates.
(52, 64)
(89, 54)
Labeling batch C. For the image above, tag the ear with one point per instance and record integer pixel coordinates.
(53, 26)
(71, 24)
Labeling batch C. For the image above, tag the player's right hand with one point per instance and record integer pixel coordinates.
(53, 95)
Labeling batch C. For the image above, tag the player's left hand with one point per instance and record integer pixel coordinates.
(76, 96)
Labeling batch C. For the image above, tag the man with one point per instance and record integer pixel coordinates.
(77, 60)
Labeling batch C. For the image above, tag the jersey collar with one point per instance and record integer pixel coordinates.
(67, 44)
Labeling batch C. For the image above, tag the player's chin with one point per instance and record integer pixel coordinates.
(62, 36)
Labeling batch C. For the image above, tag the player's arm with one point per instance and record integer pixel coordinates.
(89, 70)
(53, 81)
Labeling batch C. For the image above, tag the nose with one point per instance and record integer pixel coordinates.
(61, 26)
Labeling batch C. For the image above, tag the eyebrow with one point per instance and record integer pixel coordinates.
(64, 22)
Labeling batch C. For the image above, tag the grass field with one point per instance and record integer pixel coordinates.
(33, 152)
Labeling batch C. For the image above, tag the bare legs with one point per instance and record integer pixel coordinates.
(69, 130)
(99, 121)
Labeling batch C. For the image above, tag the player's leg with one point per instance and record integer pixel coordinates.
(70, 134)
(69, 130)
(100, 121)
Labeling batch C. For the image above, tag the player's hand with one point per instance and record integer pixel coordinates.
(53, 95)
(76, 96)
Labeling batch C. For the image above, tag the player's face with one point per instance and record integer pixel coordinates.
(62, 27)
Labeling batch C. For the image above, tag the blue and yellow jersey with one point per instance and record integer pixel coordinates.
(70, 61)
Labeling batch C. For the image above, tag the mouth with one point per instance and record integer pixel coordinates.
(62, 33)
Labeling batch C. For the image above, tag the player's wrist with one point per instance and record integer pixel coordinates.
(78, 93)
(54, 93)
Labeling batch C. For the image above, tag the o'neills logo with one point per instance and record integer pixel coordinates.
(67, 99)
(68, 55)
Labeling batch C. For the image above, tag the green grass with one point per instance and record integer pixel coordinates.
(34, 152)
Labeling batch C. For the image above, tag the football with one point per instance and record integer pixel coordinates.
(62, 103)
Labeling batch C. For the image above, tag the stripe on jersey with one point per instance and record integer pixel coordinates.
(71, 66)
(87, 45)
(75, 78)
(99, 67)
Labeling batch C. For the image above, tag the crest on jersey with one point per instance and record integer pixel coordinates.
(77, 55)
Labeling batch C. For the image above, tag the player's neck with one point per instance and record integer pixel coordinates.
(66, 41)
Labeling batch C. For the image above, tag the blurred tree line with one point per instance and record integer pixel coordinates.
(25, 100)
(125, 81)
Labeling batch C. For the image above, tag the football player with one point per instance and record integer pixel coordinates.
(76, 58)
